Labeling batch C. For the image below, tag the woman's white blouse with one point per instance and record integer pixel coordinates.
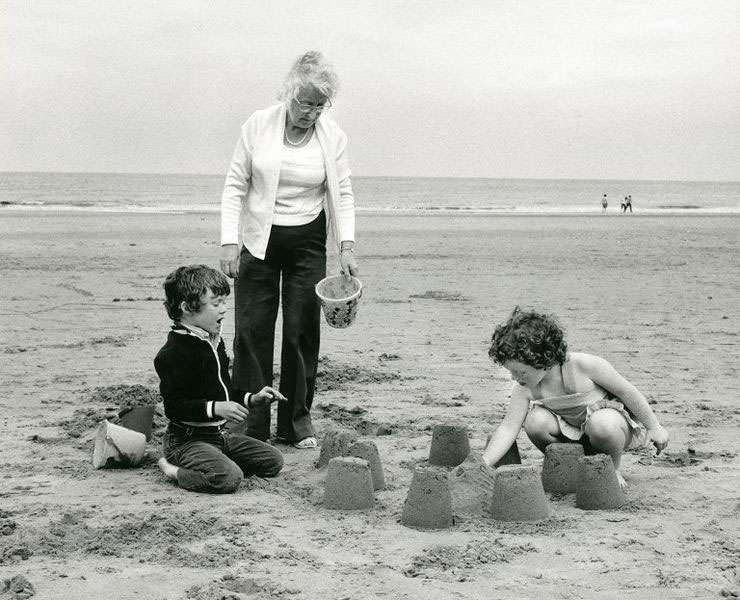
(300, 193)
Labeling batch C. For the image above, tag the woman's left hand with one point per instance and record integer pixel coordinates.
(348, 263)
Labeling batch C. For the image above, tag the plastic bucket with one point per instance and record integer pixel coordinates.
(116, 446)
(339, 298)
(139, 418)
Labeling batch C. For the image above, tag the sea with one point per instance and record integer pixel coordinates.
(168, 193)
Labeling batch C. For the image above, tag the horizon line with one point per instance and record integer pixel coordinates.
(168, 173)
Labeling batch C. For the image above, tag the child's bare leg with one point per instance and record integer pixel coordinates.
(169, 470)
(542, 428)
(608, 432)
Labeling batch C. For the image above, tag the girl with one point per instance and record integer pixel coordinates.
(562, 396)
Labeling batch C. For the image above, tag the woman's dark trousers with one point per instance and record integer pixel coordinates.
(299, 255)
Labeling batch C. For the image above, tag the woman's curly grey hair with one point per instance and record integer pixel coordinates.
(310, 69)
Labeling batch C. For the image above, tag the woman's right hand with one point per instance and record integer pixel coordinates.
(230, 260)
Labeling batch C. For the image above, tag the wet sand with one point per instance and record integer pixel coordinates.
(82, 319)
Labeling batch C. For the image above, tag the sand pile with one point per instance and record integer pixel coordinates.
(471, 486)
(465, 559)
(107, 403)
(17, 588)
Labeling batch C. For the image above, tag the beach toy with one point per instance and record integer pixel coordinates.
(336, 443)
(560, 468)
(369, 452)
(339, 298)
(138, 418)
(450, 445)
(349, 484)
(598, 486)
(518, 495)
(471, 486)
(511, 457)
(116, 446)
(429, 502)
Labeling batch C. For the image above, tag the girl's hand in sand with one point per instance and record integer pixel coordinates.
(230, 260)
(348, 263)
(266, 396)
(231, 411)
(659, 437)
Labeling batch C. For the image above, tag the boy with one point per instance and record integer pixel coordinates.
(193, 368)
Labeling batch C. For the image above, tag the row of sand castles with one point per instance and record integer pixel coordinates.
(512, 492)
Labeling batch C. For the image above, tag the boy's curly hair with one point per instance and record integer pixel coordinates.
(188, 284)
(529, 337)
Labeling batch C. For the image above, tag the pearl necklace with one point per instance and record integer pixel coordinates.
(299, 142)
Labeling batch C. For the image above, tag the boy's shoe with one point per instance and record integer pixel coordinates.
(306, 443)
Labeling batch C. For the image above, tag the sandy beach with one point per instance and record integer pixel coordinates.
(81, 319)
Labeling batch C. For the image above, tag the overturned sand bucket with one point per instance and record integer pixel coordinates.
(450, 445)
(116, 446)
(349, 484)
(339, 298)
(429, 501)
(598, 486)
(518, 495)
(138, 418)
(560, 468)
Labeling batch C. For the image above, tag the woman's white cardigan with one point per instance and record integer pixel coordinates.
(248, 200)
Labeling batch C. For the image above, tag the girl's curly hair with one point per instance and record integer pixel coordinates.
(529, 337)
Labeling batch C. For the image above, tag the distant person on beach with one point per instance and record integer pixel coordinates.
(628, 203)
(193, 368)
(276, 214)
(562, 396)
(604, 203)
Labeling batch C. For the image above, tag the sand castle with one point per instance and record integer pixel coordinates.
(369, 451)
(598, 486)
(450, 445)
(518, 495)
(429, 502)
(349, 484)
(560, 468)
(336, 443)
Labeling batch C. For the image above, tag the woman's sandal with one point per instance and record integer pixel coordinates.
(306, 443)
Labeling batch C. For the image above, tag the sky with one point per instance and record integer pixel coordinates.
(461, 88)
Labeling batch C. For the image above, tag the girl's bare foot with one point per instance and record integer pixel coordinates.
(620, 479)
(169, 470)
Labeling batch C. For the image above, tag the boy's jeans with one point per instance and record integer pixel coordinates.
(216, 461)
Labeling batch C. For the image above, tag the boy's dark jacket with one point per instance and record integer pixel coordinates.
(189, 377)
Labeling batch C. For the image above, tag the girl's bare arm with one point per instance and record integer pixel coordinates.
(508, 429)
(602, 373)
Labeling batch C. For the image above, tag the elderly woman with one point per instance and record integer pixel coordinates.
(287, 191)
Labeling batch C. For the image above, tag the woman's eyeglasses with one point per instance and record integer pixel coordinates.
(307, 108)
